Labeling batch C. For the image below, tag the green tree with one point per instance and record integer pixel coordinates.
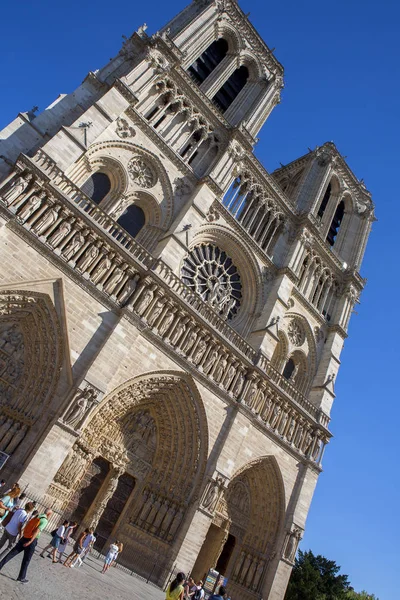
(352, 595)
(316, 578)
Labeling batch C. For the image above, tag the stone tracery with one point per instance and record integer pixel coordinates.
(211, 273)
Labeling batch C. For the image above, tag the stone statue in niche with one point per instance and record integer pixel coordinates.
(229, 376)
(178, 331)
(29, 208)
(210, 361)
(166, 323)
(317, 449)
(290, 432)
(16, 188)
(189, 342)
(156, 312)
(251, 396)
(237, 388)
(275, 416)
(199, 352)
(220, 370)
(212, 494)
(88, 257)
(61, 233)
(101, 269)
(80, 407)
(47, 220)
(75, 244)
(128, 290)
(114, 280)
(144, 301)
(292, 543)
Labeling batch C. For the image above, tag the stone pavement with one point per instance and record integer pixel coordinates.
(50, 582)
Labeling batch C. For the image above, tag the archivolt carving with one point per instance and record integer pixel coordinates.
(30, 362)
(138, 429)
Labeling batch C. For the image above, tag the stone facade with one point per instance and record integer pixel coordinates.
(172, 315)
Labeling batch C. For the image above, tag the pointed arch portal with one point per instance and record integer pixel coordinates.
(138, 468)
(244, 532)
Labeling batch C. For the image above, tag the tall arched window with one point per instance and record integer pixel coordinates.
(289, 369)
(231, 88)
(97, 186)
(206, 63)
(325, 201)
(335, 225)
(132, 219)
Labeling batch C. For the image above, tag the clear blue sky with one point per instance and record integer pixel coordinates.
(341, 64)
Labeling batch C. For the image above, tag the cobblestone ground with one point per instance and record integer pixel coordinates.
(50, 582)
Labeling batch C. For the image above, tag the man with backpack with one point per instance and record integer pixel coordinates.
(27, 543)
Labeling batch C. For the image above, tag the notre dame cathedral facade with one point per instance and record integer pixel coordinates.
(171, 314)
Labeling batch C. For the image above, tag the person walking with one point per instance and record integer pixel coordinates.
(175, 590)
(120, 548)
(110, 556)
(66, 540)
(221, 594)
(58, 536)
(86, 546)
(27, 544)
(77, 549)
(13, 527)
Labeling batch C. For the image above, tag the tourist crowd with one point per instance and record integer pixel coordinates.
(21, 525)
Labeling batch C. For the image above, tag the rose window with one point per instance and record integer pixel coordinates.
(296, 333)
(211, 273)
(141, 173)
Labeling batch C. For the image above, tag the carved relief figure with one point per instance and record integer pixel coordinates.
(16, 188)
(29, 208)
(75, 245)
(61, 233)
(128, 290)
(88, 257)
(102, 268)
(81, 406)
(46, 220)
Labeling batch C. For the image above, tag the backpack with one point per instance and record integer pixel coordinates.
(197, 595)
(8, 517)
(30, 527)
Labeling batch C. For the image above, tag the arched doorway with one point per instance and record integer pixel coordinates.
(30, 344)
(140, 464)
(245, 529)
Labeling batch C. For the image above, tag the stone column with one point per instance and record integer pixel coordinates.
(104, 495)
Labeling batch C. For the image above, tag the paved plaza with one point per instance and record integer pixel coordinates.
(48, 581)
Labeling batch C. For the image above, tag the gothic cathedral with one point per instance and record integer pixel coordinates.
(171, 314)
